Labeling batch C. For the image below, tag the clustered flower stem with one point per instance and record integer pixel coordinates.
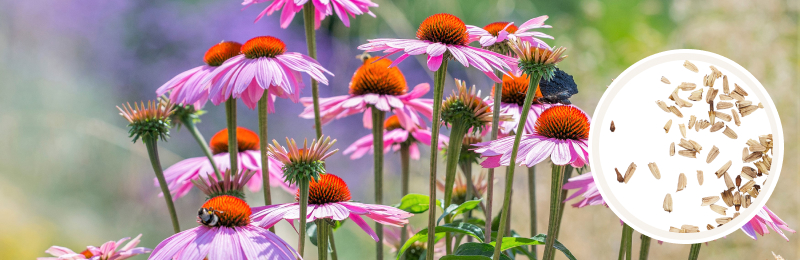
(453, 153)
(438, 90)
(566, 175)
(192, 128)
(377, 142)
(233, 144)
(556, 184)
(303, 213)
(332, 242)
(405, 163)
(498, 95)
(311, 43)
(622, 243)
(644, 249)
(466, 168)
(322, 239)
(694, 252)
(532, 200)
(626, 241)
(263, 115)
(532, 87)
(151, 142)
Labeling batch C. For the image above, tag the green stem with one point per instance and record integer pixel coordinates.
(694, 252)
(322, 239)
(622, 243)
(498, 95)
(233, 145)
(466, 168)
(303, 215)
(189, 123)
(629, 242)
(567, 174)
(453, 153)
(533, 85)
(644, 249)
(263, 115)
(334, 255)
(405, 163)
(438, 89)
(532, 201)
(152, 149)
(555, 204)
(377, 142)
(311, 43)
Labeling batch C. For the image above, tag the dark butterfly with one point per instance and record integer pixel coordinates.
(558, 89)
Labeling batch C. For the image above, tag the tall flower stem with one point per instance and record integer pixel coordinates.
(192, 128)
(644, 249)
(377, 142)
(556, 184)
(152, 149)
(438, 89)
(498, 95)
(532, 201)
(626, 242)
(233, 145)
(332, 242)
(311, 43)
(322, 239)
(453, 153)
(533, 85)
(262, 132)
(694, 252)
(303, 215)
(466, 168)
(405, 163)
(622, 243)
(567, 174)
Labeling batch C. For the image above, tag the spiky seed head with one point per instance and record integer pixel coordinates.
(536, 59)
(231, 184)
(465, 108)
(182, 113)
(147, 121)
(302, 164)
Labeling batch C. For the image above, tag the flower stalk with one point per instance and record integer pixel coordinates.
(498, 96)
(622, 243)
(453, 152)
(332, 242)
(377, 141)
(567, 174)
(438, 90)
(233, 144)
(322, 239)
(532, 201)
(301, 243)
(644, 249)
(311, 43)
(405, 163)
(188, 116)
(532, 87)
(151, 142)
(626, 242)
(694, 252)
(263, 115)
(556, 185)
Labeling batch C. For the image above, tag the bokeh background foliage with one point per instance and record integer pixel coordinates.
(69, 175)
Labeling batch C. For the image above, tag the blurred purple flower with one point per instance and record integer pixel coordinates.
(108, 251)
(322, 9)
(761, 223)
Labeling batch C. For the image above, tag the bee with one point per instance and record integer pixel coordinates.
(208, 217)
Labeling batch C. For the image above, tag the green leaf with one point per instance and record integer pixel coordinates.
(477, 249)
(311, 232)
(422, 235)
(465, 257)
(460, 228)
(455, 210)
(514, 242)
(415, 203)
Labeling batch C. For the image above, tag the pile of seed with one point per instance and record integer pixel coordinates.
(735, 194)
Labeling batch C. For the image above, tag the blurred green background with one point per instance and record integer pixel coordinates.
(69, 175)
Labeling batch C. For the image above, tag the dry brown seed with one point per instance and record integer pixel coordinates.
(724, 220)
(690, 66)
(753, 192)
(712, 154)
(692, 121)
(743, 103)
(665, 80)
(747, 186)
(674, 229)
(717, 126)
(748, 172)
(738, 180)
(736, 117)
(727, 197)
(673, 94)
(612, 126)
(679, 101)
(724, 116)
(709, 227)
(756, 146)
(725, 88)
(663, 106)
(715, 72)
(745, 153)
(752, 157)
(654, 169)
(712, 116)
(687, 153)
(737, 200)
(668, 126)
(668, 203)
(737, 89)
(702, 124)
(746, 202)
(736, 96)
(724, 105)
(700, 177)
(629, 172)
(676, 111)
(706, 201)
(725, 97)
(723, 169)
(686, 145)
(745, 111)
(728, 180)
(711, 94)
(718, 209)
(686, 86)
(672, 149)
(708, 81)
(619, 176)
(681, 182)
(730, 133)
(682, 127)
(696, 95)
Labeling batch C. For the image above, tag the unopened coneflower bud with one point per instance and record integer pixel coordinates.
(537, 60)
(147, 121)
(302, 164)
(465, 108)
(231, 184)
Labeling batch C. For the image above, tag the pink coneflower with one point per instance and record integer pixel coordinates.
(225, 232)
(443, 36)
(180, 175)
(560, 133)
(393, 240)
(110, 250)
(322, 9)
(329, 198)
(761, 223)
(190, 86)
(586, 187)
(263, 65)
(394, 135)
(375, 84)
(494, 35)
(511, 103)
